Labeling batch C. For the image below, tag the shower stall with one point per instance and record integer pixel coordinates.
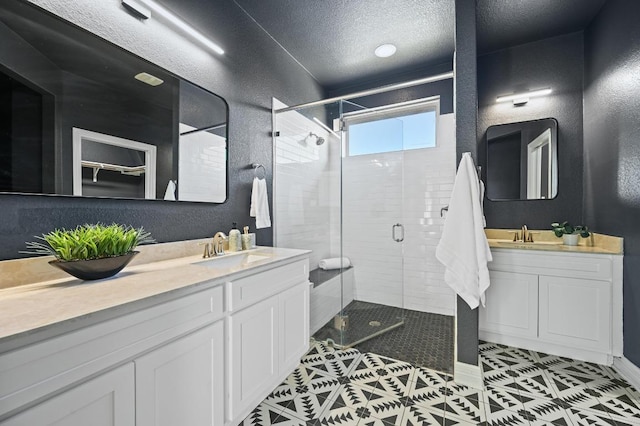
(365, 182)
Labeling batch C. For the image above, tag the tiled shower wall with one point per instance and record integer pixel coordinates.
(306, 188)
(400, 187)
(376, 196)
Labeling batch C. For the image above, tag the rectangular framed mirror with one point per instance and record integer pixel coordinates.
(522, 160)
(80, 116)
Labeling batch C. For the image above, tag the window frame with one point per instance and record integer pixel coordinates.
(390, 111)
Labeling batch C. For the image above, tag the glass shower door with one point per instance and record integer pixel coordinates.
(372, 179)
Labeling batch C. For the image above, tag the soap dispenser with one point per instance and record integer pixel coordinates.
(235, 243)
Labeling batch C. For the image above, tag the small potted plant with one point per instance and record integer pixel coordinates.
(569, 232)
(91, 252)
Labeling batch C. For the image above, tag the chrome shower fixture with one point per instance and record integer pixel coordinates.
(318, 139)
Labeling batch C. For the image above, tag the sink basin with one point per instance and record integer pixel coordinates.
(234, 260)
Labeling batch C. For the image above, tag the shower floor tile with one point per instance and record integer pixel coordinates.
(398, 393)
(425, 339)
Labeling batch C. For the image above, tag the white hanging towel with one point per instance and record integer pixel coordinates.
(260, 203)
(463, 248)
(170, 192)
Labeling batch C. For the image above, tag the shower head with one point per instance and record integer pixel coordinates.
(318, 140)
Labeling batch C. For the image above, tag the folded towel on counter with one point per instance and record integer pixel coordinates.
(334, 263)
(463, 248)
(260, 203)
(170, 192)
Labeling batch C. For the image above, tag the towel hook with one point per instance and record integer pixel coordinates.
(256, 167)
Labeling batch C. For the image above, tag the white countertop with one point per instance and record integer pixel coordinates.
(54, 305)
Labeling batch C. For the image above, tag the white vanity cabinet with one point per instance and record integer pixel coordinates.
(203, 357)
(567, 304)
(267, 338)
(182, 382)
(107, 400)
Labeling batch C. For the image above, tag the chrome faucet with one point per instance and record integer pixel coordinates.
(218, 243)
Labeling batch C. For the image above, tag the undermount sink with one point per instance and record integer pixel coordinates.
(233, 260)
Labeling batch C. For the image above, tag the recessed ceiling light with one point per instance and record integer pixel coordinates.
(385, 50)
(151, 80)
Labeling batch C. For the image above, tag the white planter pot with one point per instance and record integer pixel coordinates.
(570, 239)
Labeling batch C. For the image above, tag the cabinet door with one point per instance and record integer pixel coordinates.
(253, 356)
(182, 383)
(294, 325)
(511, 305)
(575, 312)
(107, 400)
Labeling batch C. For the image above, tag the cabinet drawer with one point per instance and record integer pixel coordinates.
(571, 265)
(37, 370)
(245, 291)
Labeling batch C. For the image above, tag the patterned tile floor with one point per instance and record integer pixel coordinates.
(425, 339)
(333, 387)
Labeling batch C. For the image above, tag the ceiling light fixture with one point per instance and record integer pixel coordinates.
(385, 50)
(151, 80)
(183, 26)
(523, 98)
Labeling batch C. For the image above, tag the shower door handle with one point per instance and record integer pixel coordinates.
(393, 232)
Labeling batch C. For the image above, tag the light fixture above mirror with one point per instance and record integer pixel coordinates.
(523, 97)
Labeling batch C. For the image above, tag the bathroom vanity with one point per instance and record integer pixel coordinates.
(184, 341)
(556, 299)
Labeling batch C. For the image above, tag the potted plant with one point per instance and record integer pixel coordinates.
(569, 232)
(91, 252)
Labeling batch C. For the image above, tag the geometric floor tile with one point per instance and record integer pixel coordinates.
(334, 388)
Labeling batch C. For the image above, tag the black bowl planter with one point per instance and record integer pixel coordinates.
(94, 269)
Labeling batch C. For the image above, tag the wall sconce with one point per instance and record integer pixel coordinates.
(137, 7)
(522, 98)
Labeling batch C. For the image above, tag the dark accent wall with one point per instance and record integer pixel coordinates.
(466, 106)
(555, 63)
(612, 145)
(253, 70)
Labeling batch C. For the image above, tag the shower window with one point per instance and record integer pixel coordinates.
(382, 130)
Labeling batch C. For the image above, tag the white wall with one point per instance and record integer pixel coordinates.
(378, 191)
(202, 166)
(306, 191)
(408, 187)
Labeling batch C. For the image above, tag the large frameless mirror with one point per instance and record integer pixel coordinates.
(81, 116)
(522, 160)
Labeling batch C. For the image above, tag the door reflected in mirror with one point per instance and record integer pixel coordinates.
(522, 160)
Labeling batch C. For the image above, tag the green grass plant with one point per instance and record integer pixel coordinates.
(89, 242)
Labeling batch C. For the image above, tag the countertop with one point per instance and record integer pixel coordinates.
(545, 240)
(52, 307)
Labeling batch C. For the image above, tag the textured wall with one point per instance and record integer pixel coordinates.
(466, 107)
(612, 147)
(558, 64)
(252, 70)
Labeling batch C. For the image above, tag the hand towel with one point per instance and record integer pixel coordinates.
(334, 263)
(463, 247)
(170, 192)
(260, 203)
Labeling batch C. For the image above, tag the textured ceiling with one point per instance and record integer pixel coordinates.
(506, 23)
(335, 39)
